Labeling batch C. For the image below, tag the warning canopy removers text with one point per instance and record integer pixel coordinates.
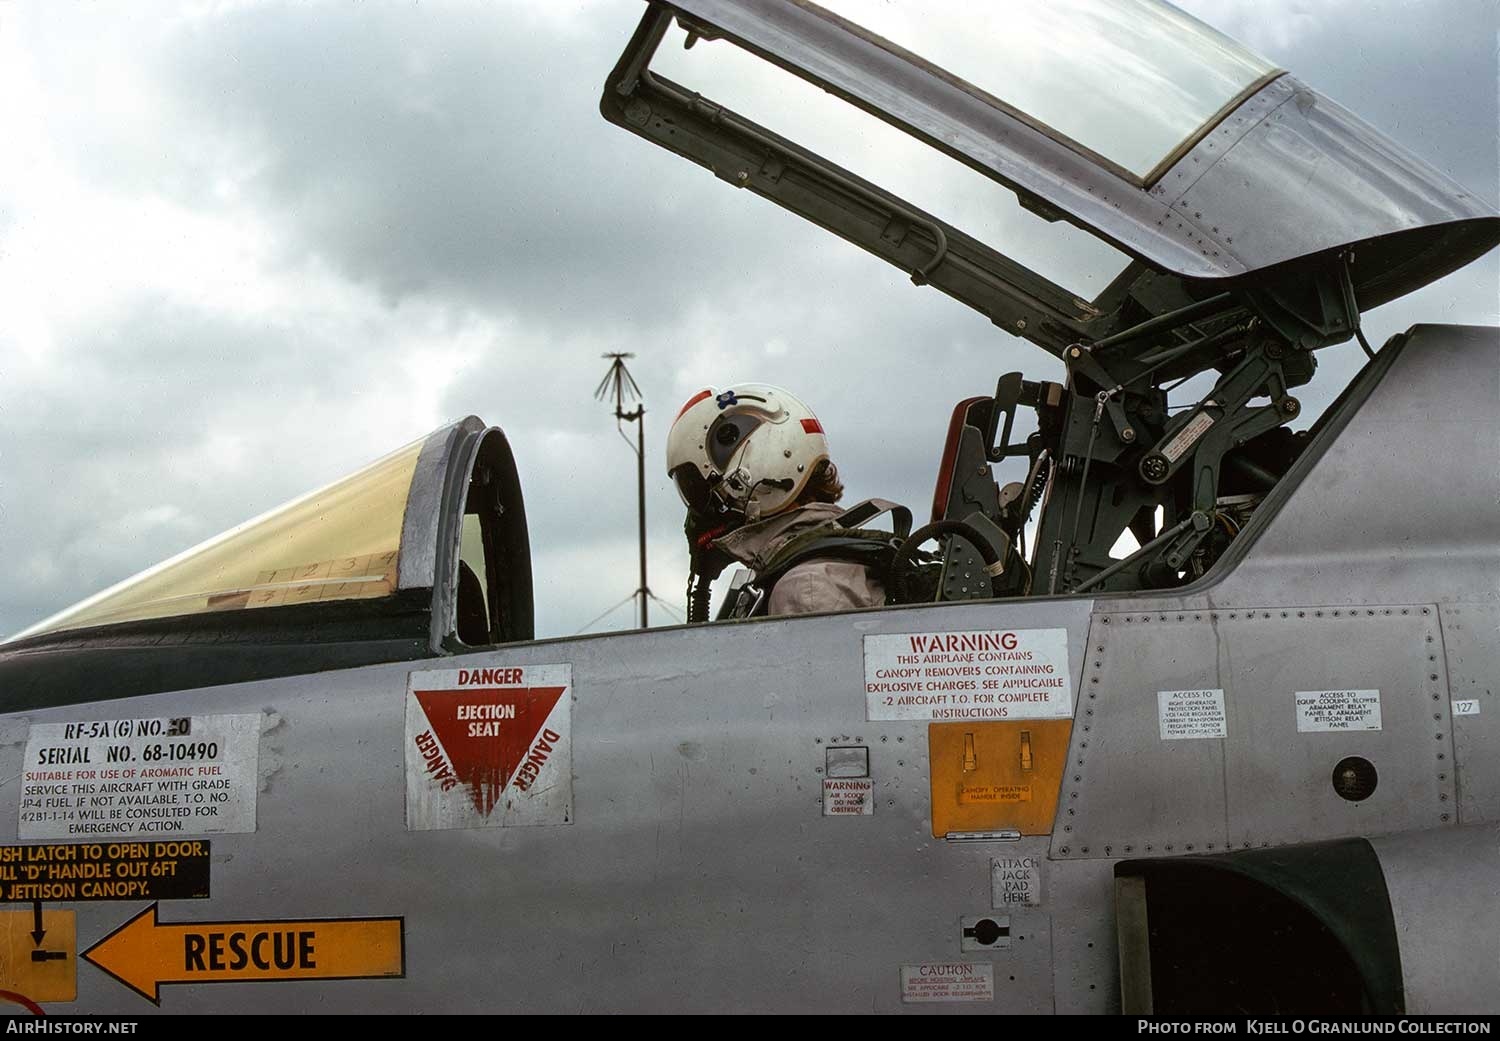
(972, 675)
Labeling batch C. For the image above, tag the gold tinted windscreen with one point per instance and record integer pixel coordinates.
(340, 542)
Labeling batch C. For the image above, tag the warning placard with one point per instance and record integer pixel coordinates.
(948, 981)
(156, 870)
(980, 674)
(848, 797)
(1190, 713)
(489, 747)
(1015, 880)
(1324, 710)
(149, 777)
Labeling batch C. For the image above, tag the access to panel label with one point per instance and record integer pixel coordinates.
(151, 778)
(974, 675)
(489, 748)
(1190, 713)
(1329, 710)
(948, 981)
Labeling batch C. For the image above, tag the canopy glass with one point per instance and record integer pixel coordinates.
(1129, 81)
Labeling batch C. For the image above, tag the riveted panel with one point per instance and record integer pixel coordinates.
(1127, 791)
(1472, 654)
(1137, 785)
(1085, 960)
(1279, 781)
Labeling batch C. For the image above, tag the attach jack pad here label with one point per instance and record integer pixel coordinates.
(140, 778)
(173, 869)
(1015, 880)
(990, 674)
(489, 747)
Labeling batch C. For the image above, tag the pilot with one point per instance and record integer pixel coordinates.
(751, 464)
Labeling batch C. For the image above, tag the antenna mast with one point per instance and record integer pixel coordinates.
(619, 386)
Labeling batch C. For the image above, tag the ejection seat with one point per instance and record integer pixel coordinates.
(966, 491)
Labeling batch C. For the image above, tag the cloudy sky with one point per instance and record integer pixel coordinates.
(247, 247)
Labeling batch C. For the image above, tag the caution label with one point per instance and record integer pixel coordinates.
(979, 674)
(1015, 880)
(948, 981)
(145, 953)
(172, 870)
(1326, 710)
(1190, 713)
(147, 777)
(848, 797)
(489, 747)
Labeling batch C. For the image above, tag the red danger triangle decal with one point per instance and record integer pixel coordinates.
(487, 732)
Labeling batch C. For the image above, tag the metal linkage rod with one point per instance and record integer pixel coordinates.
(1120, 565)
(1170, 320)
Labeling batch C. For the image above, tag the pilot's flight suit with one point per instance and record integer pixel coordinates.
(813, 585)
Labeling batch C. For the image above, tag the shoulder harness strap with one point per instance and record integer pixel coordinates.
(842, 538)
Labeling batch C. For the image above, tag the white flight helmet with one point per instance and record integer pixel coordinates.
(749, 449)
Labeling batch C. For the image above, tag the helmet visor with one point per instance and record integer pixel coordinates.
(726, 434)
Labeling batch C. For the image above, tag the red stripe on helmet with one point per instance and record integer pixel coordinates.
(691, 402)
(811, 426)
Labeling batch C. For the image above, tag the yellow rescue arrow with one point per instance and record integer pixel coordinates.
(143, 953)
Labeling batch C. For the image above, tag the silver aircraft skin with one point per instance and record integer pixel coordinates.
(686, 852)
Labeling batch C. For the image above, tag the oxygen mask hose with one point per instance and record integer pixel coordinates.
(700, 590)
(705, 564)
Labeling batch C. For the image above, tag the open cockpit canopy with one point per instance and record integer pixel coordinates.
(1165, 139)
(1127, 83)
(1240, 220)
